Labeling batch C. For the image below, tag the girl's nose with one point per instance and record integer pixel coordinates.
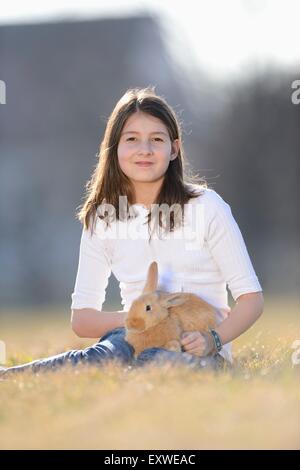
(145, 147)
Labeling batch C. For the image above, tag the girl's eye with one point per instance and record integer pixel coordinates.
(148, 307)
(155, 138)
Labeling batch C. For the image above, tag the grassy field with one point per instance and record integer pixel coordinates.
(254, 406)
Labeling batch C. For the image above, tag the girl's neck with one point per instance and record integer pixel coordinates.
(146, 194)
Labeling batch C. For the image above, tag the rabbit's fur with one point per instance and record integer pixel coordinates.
(167, 317)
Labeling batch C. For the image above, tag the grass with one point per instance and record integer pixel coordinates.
(254, 406)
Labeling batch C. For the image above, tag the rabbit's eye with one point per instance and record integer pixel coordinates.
(148, 307)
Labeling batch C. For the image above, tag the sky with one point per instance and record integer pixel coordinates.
(221, 37)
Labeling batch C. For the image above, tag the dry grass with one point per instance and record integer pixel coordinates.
(257, 405)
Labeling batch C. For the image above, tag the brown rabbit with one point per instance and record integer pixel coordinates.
(158, 319)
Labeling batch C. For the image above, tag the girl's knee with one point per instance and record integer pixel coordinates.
(119, 331)
(110, 346)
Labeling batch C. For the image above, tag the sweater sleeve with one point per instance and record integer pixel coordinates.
(227, 246)
(94, 269)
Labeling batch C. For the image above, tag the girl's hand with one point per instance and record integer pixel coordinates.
(197, 344)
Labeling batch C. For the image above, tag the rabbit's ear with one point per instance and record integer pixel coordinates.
(170, 300)
(152, 278)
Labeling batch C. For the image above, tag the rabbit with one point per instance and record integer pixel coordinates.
(158, 319)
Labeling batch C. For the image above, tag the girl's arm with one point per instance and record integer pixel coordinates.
(227, 247)
(246, 311)
(91, 323)
(94, 268)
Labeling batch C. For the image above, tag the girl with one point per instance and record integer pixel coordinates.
(141, 163)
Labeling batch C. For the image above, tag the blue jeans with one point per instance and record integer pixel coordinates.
(114, 346)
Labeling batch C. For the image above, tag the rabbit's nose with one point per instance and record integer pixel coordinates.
(136, 323)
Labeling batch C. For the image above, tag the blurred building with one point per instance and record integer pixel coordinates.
(63, 80)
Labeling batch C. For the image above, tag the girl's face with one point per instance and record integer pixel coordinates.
(145, 149)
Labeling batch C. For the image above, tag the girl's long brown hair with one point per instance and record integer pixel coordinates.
(108, 181)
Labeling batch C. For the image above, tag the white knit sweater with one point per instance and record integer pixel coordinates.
(205, 256)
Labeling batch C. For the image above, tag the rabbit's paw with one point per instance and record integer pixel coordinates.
(173, 345)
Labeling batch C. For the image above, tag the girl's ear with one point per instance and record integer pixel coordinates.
(170, 300)
(175, 149)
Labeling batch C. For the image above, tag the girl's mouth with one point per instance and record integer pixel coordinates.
(144, 164)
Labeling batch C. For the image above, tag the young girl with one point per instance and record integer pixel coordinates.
(141, 158)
